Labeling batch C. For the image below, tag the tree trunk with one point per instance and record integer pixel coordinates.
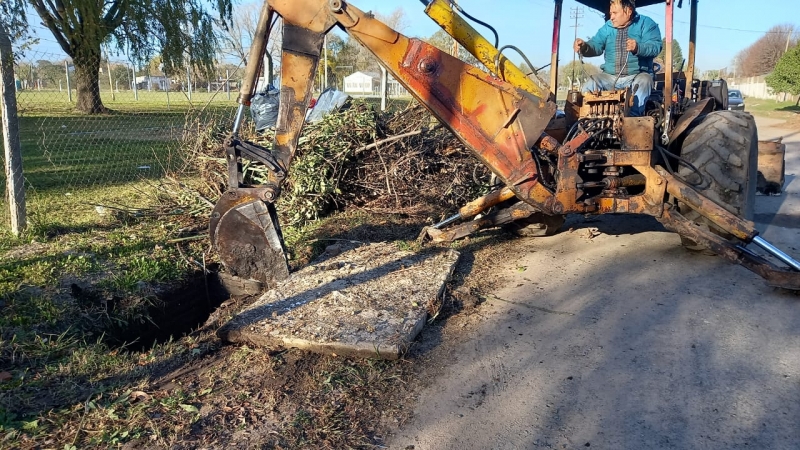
(87, 74)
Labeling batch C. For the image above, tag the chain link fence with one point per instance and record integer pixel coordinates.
(142, 136)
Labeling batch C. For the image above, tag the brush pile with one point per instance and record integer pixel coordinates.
(400, 162)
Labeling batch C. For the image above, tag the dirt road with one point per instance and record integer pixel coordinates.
(612, 336)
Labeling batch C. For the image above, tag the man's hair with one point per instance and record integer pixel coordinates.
(625, 4)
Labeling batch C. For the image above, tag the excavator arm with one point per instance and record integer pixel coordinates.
(497, 121)
(501, 117)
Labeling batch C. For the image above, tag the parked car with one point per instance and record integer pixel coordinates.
(735, 100)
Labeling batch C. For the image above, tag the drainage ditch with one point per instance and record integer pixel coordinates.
(179, 311)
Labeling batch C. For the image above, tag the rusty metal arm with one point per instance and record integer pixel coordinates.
(774, 275)
(743, 230)
(254, 61)
(497, 121)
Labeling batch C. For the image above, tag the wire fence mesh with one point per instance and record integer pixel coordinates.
(149, 120)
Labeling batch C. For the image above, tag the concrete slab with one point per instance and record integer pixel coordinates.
(368, 301)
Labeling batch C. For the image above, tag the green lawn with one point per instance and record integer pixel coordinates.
(32, 102)
(772, 108)
(63, 149)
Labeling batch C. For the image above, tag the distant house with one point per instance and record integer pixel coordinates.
(362, 83)
(153, 82)
(369, 83)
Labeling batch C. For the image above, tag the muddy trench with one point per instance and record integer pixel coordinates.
(175, 312)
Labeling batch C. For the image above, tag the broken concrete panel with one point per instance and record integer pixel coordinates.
(368, 301)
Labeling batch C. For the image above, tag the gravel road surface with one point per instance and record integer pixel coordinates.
(612, 336)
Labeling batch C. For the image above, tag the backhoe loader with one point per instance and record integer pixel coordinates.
(688, 162)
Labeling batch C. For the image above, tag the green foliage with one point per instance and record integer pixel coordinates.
(172, 28)
(677, 54)
(320, 163)
(143, 269)
(444, 42)
(786, 76)
(25, 311)
(13, 20)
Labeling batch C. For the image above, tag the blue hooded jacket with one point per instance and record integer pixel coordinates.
(643, 30)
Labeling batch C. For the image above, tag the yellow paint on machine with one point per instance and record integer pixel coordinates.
(441, 12)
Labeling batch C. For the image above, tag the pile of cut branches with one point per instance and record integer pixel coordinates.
(400, 162)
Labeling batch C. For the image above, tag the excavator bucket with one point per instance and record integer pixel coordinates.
(246, 234)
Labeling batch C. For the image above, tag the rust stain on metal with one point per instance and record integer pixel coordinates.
(742, 229)
(775, 276)
(566, 198)
(637, 133)
(473, 105)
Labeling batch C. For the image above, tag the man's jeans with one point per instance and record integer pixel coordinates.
(605, 82)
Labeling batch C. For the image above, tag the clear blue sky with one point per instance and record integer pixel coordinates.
(725, 27)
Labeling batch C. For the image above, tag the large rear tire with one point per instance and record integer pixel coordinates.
(723, 146)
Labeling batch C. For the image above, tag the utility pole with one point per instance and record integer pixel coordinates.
(326, 60)
(575, 13)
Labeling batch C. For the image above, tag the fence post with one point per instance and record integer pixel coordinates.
(13, 155)
(135, 87)
(384, 87)
(110, 78)
(69, 90)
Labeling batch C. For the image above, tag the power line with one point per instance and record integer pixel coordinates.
(660, 14)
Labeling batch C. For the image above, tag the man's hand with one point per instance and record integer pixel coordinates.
(632, 46)
(578, 45)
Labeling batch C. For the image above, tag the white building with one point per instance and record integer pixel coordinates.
(369, 83)
(362, 83)
(153, 82)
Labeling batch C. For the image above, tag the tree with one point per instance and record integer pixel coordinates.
(181, 31)
(13, 20)
(121, 76)
(51, 73)
(355, 57)
(237, 38)
(444, 42)
(786, 76)
(677, 55)
(28, 73)
(335, 45)
(580, 71)
(761, 57)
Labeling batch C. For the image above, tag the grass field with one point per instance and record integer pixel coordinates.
(81, 270)
(772, 108)
(84, 272)
(63, 149)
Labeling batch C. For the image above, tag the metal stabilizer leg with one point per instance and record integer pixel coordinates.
(517, 212)
(776, 252)
(471, 209)
(774, 275)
